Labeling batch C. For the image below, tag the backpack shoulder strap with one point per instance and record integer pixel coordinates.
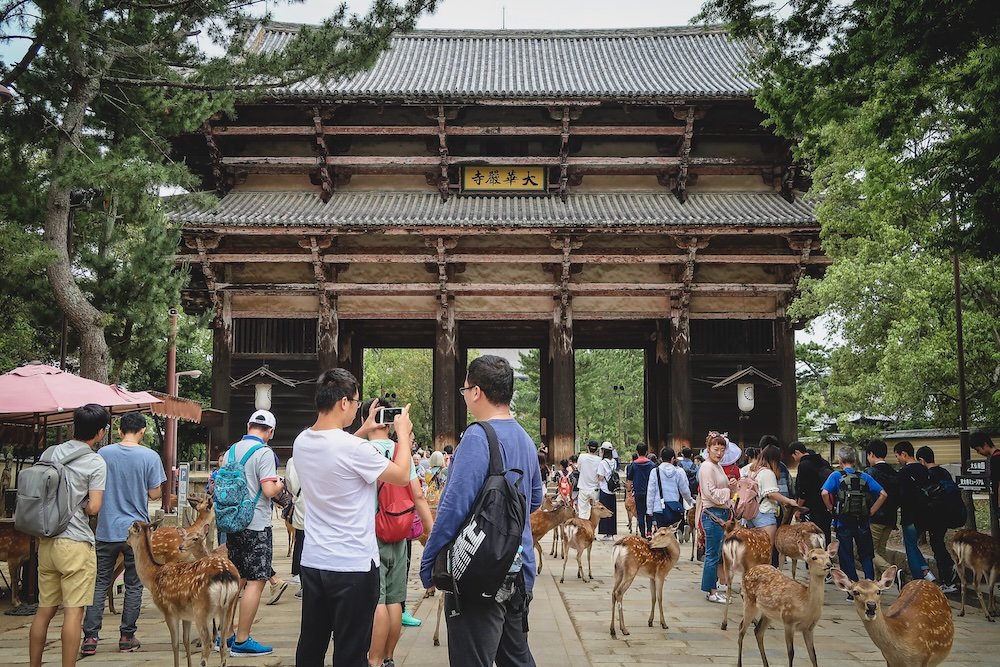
(496, 458)
(659, 482)
(246, 457)
(73, 457)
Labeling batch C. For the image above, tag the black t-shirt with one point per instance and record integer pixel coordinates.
(912, 478)
(995, 472)
(809, 481)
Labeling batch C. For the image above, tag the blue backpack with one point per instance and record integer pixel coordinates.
(234, 507)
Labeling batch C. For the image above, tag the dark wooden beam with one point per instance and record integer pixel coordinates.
(623, 230)
(444, 181)
(219, 176)
(452, 131)
(564, 154)
(562, 362)
(444, 372)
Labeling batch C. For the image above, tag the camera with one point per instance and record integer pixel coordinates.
(386, 416)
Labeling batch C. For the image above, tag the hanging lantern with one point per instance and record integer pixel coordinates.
(744, 396)
(262, 396)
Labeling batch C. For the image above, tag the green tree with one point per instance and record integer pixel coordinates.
(526, 394)
(406, 376)
(100, 91)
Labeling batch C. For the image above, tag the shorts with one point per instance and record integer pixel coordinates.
(251, 551)
(763, 520)
(392, 572)
(67, 572)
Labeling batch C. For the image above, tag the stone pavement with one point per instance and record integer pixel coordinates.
(569, 626)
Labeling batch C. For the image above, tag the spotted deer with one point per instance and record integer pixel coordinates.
(542, 521)
(579, 535)
(169, 542)
(981, 554)
(742, 549)
(917, 629)
(633, 555)
(630, 510)
(788, 536)
(202, 591)
(777, 597)
(15, 547)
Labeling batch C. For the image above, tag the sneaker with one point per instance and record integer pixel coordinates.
(722, 588)
(276, 591)
(298, 594)
(606, 538)
(948, 588)
(229, 643)
(388, 662)
(929, 577)
(295, 580)
(717, 598)
(411, 621)
(128, 644)
(89, 646)
(250, 647)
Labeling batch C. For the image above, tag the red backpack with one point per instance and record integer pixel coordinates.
(394, 515)
(565, 488)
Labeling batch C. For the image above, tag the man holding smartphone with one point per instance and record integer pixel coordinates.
(339, 570)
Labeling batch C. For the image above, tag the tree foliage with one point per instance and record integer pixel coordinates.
(406, 376)
(100, 91)
(894, 109)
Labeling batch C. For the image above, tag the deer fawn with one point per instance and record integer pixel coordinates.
(981, 554)
(742, 549)
(633, 555)
(542, 521)
(789, 535)
(630, 510)
(579, 535)
(916, 630)
(775, 596)
(14, 548)
(203, 591)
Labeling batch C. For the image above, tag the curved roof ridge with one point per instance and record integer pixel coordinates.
(529, 33)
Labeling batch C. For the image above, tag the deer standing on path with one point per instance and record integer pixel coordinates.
(775, 596)
(579, 535)
(633, 555)
(742, 549)
(916, 630)
(788, 536)
(630, 510)
(202, 591)
(981, 554)
(15, 548)
(542, 521)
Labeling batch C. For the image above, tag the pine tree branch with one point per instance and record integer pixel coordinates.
(22, 67)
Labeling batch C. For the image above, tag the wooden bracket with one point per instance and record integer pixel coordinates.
(443, 179)
(564, 154)
(222, 184)
(326, 181)
(204, 245)
(680, 187)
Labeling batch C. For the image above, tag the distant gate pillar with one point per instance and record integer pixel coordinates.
(784, 336)
(681, 422)
(445, 375)
(561, 425)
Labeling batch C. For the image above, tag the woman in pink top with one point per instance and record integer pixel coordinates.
(715, 491)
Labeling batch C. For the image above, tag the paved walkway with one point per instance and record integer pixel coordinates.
(569, 626)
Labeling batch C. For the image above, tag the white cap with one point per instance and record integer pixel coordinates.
(608, 446)
(262, 418)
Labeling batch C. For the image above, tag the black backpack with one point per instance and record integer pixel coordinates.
(852, 497)
(943, 499)
(478, 561)
(692, 481)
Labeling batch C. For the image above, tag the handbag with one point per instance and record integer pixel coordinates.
(673, 510)
(417, 528)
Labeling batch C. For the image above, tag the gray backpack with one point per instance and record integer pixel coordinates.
(44, 507)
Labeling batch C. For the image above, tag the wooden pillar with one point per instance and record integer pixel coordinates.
(545, 397)
(461, 367)
(327, 342)
(445, 373)
(562, 441)
(657, 381)
(784, 339)
(352, 357)
(222, 366)
(681, 422)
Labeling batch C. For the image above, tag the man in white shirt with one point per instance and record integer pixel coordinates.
(588, 465)
(339, 570)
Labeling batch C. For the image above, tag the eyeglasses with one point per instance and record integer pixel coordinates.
(355, 400)
(464, 389)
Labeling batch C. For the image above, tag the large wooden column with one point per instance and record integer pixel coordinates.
(352, 357)
(562, 426)
(784, 339)
(657, 379)
(445, 373)
(461, 366)
(222, 366)
(681, 422)
(327, 345)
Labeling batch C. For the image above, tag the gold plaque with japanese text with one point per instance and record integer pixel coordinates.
(503, 179)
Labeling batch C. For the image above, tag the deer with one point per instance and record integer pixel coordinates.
(981, 554)
(630, 509)
(633, 555)
(542, 521)
(201, 591)
(775, 596)
(169, 543)
(579, 535)
(788, 536)
(742, 549)
(15, 548)
(917, 629)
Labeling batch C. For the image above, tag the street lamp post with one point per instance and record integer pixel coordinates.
(619, 390)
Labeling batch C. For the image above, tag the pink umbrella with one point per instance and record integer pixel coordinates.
(38, 392)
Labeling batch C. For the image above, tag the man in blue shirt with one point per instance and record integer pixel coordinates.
(135, 474)
(487, 631)
(636, 479)
(853, 529)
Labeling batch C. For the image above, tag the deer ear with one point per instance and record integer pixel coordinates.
(888, 578)
(840, 580)
(803, 548)
(832, 548)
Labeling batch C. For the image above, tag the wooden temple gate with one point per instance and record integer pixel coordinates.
(629, 199)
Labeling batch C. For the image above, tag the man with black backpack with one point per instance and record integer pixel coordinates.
(489, 624)
(884, 520)
(67, 565)
(913, 508)
(813, 471)
(848, 494)
(946, 510)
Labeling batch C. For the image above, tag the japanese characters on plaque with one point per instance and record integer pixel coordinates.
(503, 179)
